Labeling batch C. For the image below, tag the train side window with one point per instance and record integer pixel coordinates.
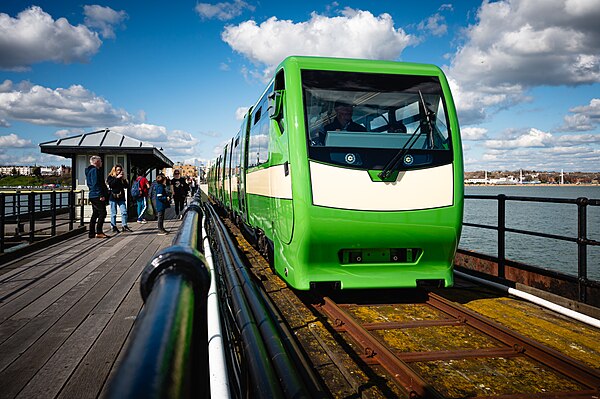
(258, 146)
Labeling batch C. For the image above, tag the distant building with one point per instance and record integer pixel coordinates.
(15, 169)
(186, 170)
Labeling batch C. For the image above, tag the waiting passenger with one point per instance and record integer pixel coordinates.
(163, 201)
(98, 196)
(118, 186)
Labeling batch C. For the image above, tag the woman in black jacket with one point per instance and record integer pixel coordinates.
(118, 191)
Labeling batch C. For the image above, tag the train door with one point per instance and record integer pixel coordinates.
(244, 136)
(235, 174)
(225, 177)
(281, 179)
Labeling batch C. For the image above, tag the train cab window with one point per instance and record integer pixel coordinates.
(373, 116)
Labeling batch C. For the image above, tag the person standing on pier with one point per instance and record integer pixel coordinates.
(98, 196)
(118, 191)
(162, 202)
(142, 196)
(180, 190)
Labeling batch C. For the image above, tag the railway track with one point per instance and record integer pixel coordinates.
(417, 344)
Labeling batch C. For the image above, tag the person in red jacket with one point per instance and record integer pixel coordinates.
(142, 200)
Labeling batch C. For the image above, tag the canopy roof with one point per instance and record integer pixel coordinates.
(106, 142)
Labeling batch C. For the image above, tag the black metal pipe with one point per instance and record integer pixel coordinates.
(168, 351)
(81, 206)
(263, 378)
(53, 212)
(31, 197)
(582, 246)
(157, 363)
(501, 235)
(2, 220)
(292, 380)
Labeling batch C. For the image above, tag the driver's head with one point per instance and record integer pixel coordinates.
(343, 112)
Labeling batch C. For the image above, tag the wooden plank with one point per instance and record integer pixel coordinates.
(33, 330)
(53, 286)
(48, 381)
(58, 331)
(91, 375)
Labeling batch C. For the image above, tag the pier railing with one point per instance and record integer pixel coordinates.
(167, 356)
(582, 240)
(38, 214)
(266, 363)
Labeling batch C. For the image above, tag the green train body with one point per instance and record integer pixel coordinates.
(378, 205)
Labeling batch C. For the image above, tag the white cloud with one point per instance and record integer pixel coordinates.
(14, 141)
(583, 118)
(223, 11)
(173, 142)
(519, 44)
(34, 36)
(72, 107)
(355, 34)
(241, 112)
(533, 138)
(104, 19)
(4, 123)
(436, 25)
(473, 133)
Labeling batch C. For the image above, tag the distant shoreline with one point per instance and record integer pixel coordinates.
(532, 185)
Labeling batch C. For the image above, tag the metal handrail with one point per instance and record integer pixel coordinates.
(167, 354)
(272, 362)
(582, 240)
(34, 206)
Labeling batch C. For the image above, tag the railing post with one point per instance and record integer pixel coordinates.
(53, 212)
(582, 203)
(82, 207)
(31, 204)
(2, 219)
(501, 234)
(71, 209)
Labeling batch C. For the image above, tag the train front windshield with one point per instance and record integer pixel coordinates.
(363, 120)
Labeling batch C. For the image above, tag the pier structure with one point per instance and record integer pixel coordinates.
(67, 317)
(113, 148)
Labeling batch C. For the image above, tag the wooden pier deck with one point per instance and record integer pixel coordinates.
(66, 312)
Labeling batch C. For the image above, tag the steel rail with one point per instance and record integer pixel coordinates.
(567, 366)
(376, 351)
(514, 345)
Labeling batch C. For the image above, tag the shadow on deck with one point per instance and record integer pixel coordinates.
(66, 312)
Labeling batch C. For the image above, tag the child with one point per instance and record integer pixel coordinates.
(162, 203)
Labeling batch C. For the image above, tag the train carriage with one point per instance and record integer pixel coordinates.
(351, 173)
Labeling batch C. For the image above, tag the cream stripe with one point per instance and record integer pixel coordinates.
(343, 188)
(270, 182)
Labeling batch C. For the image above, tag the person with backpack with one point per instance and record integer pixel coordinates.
(139, 192)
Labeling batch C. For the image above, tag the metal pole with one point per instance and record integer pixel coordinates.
(82, 207)
(53, 212)
(2, 218)
(582, 203)
(71, 209)
(31, 204)
(501, 234)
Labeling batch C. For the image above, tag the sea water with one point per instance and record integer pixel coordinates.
(557, 219)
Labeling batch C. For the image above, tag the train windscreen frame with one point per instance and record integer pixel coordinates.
(362, 120)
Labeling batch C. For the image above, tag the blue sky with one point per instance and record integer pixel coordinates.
(525, 73)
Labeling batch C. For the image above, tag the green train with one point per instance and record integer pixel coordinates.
(349, 172)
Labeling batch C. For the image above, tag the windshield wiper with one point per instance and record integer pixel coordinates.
(393, 163)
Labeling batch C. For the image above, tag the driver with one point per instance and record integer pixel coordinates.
(343, 119)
